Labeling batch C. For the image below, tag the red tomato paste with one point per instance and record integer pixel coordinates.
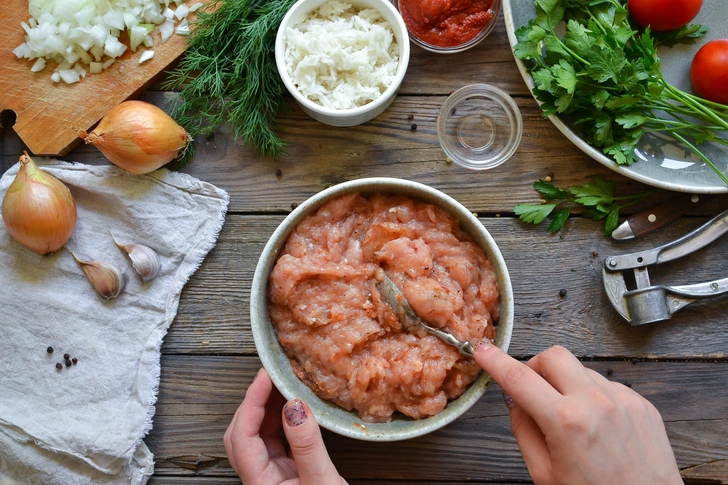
(446, 23)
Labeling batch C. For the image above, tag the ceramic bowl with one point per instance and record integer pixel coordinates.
(352, 116)
(275, 361)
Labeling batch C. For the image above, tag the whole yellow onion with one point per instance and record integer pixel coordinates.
(38, 209)
(138, 137)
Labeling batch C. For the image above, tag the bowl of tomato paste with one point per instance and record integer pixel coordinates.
(448, 26)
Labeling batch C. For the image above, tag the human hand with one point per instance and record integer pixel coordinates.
(575, 427)
(256, 451)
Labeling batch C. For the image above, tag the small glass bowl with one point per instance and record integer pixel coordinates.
(479, 126)
(495, 10)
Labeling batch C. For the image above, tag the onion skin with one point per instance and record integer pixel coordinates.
(38, 209)
(138, 137)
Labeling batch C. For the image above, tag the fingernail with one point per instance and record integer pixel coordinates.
(484, 344)
(508, 400)
(295, 413)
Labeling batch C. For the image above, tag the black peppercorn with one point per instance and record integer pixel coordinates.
(610, 372)
(562, 292)
(410, 117)
(413, 127)
(68, 363)
(59, 366)
(66, 356)
(279, 173)
(49, 350)
(294, 205)
(74, 360)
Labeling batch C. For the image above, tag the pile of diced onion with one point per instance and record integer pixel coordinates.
(83, 35)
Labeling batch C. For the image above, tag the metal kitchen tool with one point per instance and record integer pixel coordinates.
(647, 303)
(410, 320)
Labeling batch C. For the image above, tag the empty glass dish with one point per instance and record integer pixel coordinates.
(479, 126)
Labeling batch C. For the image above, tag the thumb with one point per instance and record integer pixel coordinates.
(307, 446)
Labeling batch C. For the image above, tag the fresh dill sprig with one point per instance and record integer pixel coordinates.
(228, 74)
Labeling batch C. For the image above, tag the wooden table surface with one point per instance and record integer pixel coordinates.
(209, 358)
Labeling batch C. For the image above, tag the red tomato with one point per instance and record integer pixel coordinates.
(709, 71)
(662, 15)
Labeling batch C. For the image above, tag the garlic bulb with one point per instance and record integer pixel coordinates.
(143, 259)
(107, 279)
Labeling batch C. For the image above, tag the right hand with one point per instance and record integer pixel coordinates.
(575, 427)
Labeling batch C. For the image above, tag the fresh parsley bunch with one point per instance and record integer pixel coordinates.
(605, 74)
(597, 198)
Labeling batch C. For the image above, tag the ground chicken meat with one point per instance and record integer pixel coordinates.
(343, 339)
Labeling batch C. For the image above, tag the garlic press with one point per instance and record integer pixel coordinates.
(641, 302)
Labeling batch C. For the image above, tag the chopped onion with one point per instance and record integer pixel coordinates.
(39, 65)
(22, 51)
(83, 35)
(181, 12)
(166, 30)
(69, 76)
(183, 28)
(146, 55)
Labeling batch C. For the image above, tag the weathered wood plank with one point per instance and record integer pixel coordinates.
(714, 472)
(167, 480)
(682, 391)
(214, 309)
(199, 394)
(387, 146)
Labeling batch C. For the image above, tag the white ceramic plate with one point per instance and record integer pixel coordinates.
(664, 164)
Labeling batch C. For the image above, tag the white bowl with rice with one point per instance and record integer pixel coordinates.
(343, 62)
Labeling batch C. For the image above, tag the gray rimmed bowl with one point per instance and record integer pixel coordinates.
(275, 361)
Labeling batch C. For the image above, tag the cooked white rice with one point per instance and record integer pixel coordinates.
(341, 56)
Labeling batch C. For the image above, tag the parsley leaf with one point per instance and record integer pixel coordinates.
(596, 198)
(534, 214)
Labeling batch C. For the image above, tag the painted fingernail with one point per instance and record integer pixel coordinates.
(508, 400)
(295, 413)
(483, 344)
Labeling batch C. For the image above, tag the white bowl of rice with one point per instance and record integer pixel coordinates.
(343, 61)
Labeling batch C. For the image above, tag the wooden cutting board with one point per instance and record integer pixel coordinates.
(46, 111)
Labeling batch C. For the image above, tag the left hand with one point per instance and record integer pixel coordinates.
(256, 451)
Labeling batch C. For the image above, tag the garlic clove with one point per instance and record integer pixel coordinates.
(143, 259)
(107, 279)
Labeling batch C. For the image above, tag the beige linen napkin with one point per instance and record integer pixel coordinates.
(84, 424)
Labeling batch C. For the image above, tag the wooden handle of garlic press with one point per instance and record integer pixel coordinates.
(650, 219)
